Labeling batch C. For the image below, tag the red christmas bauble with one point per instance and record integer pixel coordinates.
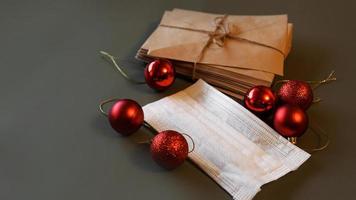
(169, 149)
(160, 74)
(126, 116)
(260, 99)
(298, 93)
(290, 121)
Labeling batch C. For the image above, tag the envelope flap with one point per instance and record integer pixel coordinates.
(185, 45)
(189, 19)
(270, 30)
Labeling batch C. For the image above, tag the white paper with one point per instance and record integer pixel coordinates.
(234, 147)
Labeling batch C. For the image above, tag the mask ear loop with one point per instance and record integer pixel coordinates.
(145, 123)
(122, 72)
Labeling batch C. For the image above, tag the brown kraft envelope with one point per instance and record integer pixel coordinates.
(177, 39)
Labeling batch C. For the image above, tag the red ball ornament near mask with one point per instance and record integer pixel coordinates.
(126, 116)
(294, 92)
(169, 149)
(260, 99)
(290, 121)
(160, 74)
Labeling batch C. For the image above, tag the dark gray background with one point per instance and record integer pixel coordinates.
(54, 144)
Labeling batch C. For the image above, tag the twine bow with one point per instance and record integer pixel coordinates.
(218, 36)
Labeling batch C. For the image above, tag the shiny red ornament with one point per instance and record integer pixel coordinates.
(260, 99)
(298, 93)
(126, 116)
(290, 121)
(169, 149)
(160, 74)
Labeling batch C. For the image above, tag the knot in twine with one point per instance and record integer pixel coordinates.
(220, 33)
(217, 37)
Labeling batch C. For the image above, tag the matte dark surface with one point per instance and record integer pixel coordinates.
(54, 144)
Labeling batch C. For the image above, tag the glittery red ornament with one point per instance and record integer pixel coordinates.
(290, 121)
(126, 116)
(260, 99)
(160, 74)
(294, 92)
(169, 149)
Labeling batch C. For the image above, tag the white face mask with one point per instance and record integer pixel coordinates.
(234, 147)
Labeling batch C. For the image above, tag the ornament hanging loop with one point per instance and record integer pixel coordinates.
(328, 79)
(147, 125)
(122, 72)
(321, 134)
(317, 100)
(293, 140)
(103, 103)
(315, 84)
(191, 139)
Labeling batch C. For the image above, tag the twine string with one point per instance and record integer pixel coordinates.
(218, 36)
